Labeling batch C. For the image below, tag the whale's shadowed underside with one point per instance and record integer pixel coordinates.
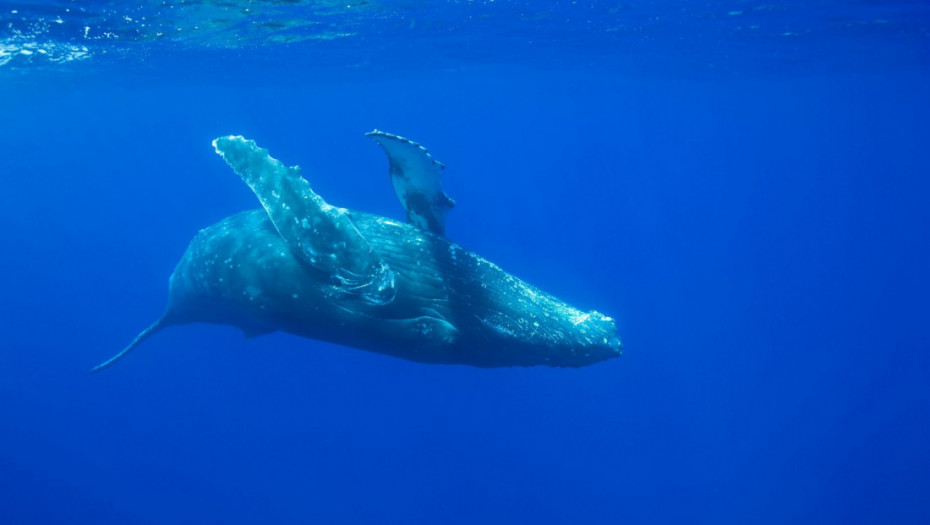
(302, 266)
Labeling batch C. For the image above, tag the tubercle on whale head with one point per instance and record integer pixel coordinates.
(608, 327)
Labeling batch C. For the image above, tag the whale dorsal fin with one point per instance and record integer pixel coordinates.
(320, 235)
(416, 176)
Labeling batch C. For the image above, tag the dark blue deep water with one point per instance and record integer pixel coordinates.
(744, 186)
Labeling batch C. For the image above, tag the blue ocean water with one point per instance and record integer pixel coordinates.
(742, 185)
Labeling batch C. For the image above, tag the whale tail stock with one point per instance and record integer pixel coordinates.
(143, 335)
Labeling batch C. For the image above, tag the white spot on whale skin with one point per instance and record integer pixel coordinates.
(388, 222)
(579, 318)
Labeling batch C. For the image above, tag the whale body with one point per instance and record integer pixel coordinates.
(302, 266)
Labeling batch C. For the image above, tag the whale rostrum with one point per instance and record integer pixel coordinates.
(302, 266)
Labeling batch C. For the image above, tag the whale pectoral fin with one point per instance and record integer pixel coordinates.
(416, 177)
(320, 235)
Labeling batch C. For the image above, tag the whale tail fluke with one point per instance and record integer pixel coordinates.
(143, 335)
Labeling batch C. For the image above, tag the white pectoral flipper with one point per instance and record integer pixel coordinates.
(416, 176)
(321, 235)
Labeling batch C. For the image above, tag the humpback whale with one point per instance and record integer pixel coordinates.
(303, 266)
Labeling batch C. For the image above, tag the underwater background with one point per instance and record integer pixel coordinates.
(742, 185)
